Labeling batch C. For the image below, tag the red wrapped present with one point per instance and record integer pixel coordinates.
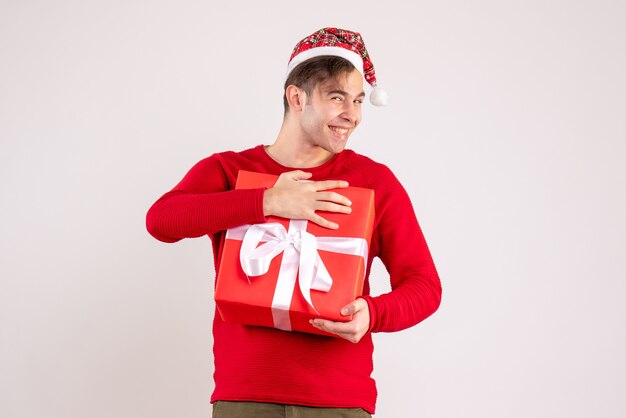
(284, 272)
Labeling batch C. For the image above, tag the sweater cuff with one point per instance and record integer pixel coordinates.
(260, 215)
(371, 305)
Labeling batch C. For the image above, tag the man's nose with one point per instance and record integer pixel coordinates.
(351, 113)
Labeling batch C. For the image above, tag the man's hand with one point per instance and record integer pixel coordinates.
(352, 331)
(294, 199)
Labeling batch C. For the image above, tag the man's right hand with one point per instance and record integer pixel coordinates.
(294, 199)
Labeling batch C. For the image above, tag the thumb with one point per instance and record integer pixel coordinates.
(349, 309)
(353, 307)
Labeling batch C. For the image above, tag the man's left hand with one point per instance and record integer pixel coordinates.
(353, 330)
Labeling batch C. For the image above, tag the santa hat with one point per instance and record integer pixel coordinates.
(341, 43)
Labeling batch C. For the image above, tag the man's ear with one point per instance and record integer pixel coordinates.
(295, 97)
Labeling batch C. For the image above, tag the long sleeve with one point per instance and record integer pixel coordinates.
(415, 284)
(202, 204)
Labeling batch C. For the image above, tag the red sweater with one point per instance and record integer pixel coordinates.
(268, 365)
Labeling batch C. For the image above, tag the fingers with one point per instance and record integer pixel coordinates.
(329, 202)
(333, 197)
(298, 175)
(290, 178)
(330, 184)
(346, 330)
(354, 307)
(326, 206)
(295, 199)
(353, 330)
(323, 221)
(339, 328)
(332, 207)
(318, 185)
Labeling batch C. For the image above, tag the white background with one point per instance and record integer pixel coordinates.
(506, 124)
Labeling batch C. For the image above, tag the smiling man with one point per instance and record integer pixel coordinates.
(264, 372)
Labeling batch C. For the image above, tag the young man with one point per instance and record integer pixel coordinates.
(268, 372)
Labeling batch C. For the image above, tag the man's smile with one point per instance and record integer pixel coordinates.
(340, 130)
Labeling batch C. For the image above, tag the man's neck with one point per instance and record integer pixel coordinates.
(292, 151)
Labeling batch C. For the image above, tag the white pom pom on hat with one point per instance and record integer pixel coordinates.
(342, 43)
(378, 97)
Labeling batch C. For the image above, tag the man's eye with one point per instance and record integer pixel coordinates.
(336, 98)
(359, 101)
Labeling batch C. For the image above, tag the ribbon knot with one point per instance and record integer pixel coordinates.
(293, 240)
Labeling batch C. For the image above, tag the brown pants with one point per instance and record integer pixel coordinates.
(224, 409)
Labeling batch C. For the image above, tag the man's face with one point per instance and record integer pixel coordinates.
(333, 111)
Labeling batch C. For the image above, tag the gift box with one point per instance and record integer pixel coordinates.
(283, 272)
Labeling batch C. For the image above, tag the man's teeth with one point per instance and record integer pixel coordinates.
(339, 130)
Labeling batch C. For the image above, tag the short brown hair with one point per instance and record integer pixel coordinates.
(311, 72)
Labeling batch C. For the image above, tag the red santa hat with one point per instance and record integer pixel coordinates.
(342, 43)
